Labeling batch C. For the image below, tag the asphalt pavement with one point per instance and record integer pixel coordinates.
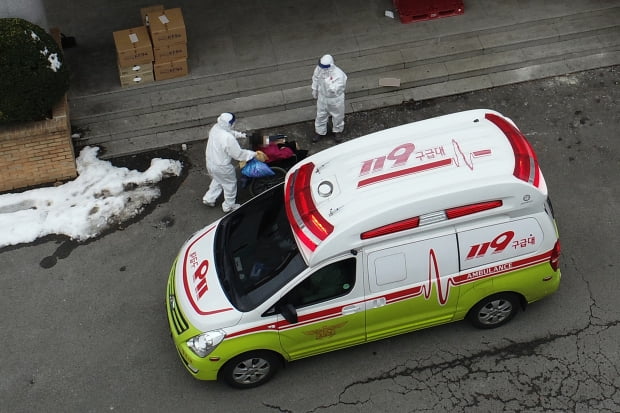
(85, 330)
(84, 324)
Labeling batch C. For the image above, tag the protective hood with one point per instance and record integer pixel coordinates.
(326, 61)
(226, 120)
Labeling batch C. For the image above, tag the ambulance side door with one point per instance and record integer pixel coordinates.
(409, 285)
(329, 307)
(494, 258)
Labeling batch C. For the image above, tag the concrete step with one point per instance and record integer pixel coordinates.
(189, 91)
(135, 120)
(140, 143)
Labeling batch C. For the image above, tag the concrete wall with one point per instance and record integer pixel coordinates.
(31, 10)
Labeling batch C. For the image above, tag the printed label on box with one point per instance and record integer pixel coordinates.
(167, 27)
(171, 69)
(133, 38)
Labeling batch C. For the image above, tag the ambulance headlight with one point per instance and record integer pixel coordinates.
(205, 343)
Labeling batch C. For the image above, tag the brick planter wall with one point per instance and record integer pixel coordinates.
(35, 153)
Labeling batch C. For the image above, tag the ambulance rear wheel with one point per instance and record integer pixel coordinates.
(494, 311)
(250, 369)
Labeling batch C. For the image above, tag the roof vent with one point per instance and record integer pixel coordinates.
(325, 189)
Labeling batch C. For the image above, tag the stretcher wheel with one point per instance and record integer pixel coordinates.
(260, 185)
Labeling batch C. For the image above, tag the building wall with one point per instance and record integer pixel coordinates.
(31, 10)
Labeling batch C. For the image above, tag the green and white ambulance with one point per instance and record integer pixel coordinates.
(410, 227)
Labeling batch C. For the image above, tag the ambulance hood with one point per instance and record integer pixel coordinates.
(199, 293)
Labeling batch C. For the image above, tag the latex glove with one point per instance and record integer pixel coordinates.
(242, 164)
(261, 156)
(314, 94)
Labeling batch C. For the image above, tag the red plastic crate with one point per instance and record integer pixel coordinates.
(419, 10)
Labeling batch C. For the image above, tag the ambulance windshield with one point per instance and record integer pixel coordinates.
(255, 252)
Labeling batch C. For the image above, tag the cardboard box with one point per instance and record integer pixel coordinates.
(168, 53)
(135, 69)
(133, 46)
(137, 79)
(167, 27)
(144, 11)
(170, 70)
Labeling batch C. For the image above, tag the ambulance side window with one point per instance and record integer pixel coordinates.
(390, 269)
(329, 282)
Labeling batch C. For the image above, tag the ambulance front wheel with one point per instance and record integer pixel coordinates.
(250, 369)
(494, 311)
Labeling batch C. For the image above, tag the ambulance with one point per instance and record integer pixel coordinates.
(415, 226)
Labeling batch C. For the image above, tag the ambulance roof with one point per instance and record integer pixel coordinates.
(406, 177)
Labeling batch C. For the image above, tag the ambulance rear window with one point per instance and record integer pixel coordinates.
(255, 252)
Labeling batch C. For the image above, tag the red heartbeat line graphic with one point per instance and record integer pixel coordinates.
(433, 272)
(469, 162)
(443, 285)
(426, 289)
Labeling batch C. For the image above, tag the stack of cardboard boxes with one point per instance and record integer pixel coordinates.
(169, 43)
(155, 51)
(134, 53)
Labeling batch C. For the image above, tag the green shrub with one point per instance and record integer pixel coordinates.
(33, 75)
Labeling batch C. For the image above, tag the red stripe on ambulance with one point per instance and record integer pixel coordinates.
(408, 293)
(404, 172)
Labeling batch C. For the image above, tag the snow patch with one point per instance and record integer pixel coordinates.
(101, 196)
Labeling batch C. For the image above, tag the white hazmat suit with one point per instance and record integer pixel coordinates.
(328, 85)
(222, 148)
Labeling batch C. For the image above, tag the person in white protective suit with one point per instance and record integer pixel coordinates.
(328, 85)
(222, 148)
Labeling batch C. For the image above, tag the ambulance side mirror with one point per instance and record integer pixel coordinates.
(288, 312)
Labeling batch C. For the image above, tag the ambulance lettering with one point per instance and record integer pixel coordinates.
(428, 158)
(430, 153)
(200, 279)
(193, 259)
(195, 282)
(498, 245)
(486, 272)
(488, 245)
(400, 155)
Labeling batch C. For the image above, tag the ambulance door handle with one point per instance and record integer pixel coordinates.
(351, 309)
(378, 302)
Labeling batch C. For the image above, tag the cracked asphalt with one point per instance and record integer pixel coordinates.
(84, 326)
